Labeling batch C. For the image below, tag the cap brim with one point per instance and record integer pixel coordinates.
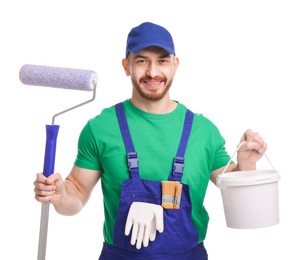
(151, 44)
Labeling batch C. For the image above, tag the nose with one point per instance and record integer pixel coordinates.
(152, 70)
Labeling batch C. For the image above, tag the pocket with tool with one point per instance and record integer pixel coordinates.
(171, 194)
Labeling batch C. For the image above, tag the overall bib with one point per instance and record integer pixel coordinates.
(179, 240)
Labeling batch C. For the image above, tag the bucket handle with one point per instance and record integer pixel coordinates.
(238, 147)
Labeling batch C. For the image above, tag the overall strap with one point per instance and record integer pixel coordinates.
(178, 163)
(131, 154)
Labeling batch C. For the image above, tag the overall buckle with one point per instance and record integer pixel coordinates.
(132, 160)
(178, 165)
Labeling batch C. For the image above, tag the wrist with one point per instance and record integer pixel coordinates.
(246, 166)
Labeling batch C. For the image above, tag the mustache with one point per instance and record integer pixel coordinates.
(146, 78)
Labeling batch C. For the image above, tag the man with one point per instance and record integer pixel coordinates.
(154, 158)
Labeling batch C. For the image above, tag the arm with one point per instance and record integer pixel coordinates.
(70, 195)
(252, 149)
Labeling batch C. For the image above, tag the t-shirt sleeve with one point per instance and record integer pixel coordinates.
(214, 142)
(221, 156)
(88, 152)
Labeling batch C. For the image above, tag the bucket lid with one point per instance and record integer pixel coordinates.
(245, 178)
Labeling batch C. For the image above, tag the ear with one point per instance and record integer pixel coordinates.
(126, 66)
(176, 63)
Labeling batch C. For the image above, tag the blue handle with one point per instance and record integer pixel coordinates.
(50, 152)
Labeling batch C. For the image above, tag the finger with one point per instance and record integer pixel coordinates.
(44, 199)
(146, 237)
(43, 186)
(129, 224)
(140, 236)
(44, 193)
(41, 178)
(259, 146)
(257, 138)
(134, 234)
(259, 142)
(153, 231)
(248, 135)
(263, 148)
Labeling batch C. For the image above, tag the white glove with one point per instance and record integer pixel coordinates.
(146, 219)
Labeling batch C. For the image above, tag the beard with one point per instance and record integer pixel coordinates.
(153, 95)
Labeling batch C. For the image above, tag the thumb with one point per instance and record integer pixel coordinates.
(159, 219)
(129, 224)
(53, 178)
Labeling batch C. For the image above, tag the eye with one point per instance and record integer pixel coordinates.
(141, 61)
(164, 61)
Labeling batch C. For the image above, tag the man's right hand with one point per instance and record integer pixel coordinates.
(48, 189)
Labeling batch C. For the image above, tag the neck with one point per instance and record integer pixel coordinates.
(162, 106)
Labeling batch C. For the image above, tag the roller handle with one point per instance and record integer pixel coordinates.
(49, 162)
(50, 151)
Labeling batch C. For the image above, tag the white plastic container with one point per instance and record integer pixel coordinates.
(250, 198)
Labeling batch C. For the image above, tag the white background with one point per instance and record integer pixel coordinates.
(239, 64)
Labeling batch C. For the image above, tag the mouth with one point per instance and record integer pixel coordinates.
(153, 84)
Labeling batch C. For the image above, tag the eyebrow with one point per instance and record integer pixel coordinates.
(166, 55)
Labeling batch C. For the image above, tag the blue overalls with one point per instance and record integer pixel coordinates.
(179, 240)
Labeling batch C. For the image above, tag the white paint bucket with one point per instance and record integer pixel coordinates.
(250, 198)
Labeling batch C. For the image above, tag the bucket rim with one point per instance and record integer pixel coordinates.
(247, 178)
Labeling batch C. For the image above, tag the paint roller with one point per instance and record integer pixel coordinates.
(56, 77)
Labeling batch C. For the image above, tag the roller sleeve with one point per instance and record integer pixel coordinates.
(56, 77)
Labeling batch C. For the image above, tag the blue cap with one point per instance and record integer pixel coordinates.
(147, 35)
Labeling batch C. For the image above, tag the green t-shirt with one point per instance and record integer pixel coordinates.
(156, 139)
